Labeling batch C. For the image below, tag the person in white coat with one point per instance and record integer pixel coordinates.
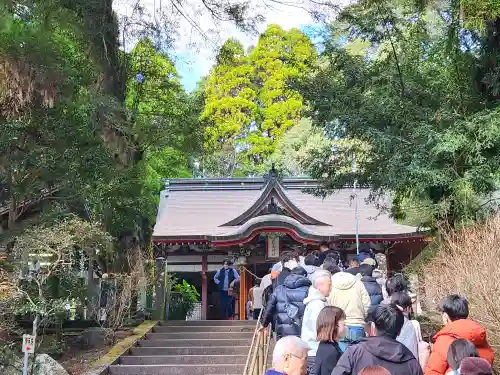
(315, 301)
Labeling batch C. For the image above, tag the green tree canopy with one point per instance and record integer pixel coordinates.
(164, 128)
(249, 101)
(424, 98)
(294, 148)
(156, 99)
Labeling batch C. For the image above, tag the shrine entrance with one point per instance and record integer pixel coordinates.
(201, 222)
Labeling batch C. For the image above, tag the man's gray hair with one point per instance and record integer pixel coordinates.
(289, 345)
(320, 274)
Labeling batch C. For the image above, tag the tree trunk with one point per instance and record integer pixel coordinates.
(12, 213)
(12, 201)
(35, 325)
(491, 54)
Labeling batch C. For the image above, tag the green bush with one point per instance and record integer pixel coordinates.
(52, 346)
(9, 357)
(182, 300)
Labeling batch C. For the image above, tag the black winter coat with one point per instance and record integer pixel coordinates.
(322, 256)
(374, 291)
(293, 291)
(327, 356)
(280, 279)
(378, 351)
(363, 269)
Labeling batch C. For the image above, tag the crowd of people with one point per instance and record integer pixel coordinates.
(334, 318)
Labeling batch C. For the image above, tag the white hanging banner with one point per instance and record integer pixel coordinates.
(273, 247)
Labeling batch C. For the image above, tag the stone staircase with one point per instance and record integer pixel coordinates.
(190, 348)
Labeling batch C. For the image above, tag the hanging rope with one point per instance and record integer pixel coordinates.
(251, 273)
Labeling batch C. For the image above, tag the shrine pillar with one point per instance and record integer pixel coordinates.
(243, 296)
(241, 260)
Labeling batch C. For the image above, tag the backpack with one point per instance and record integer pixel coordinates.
(423, 347)
(292, 312)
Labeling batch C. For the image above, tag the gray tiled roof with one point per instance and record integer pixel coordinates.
(198, 207)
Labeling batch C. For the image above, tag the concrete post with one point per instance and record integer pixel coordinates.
(159, 303)
(142, 298)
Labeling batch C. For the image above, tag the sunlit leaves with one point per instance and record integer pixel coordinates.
(249, 99)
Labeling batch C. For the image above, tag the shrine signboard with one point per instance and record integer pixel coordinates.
(273, 246)
(28, 344)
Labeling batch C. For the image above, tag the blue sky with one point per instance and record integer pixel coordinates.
(192, 69)
(193, 55)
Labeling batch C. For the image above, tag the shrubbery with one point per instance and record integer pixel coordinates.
(466, 263)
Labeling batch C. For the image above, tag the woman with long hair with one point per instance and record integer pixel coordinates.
(330, 328)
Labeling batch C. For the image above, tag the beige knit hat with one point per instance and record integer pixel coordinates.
(369, 261)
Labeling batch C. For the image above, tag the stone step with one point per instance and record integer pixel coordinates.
(194, 342)
(197, 335)
(203, 329)
(190, 323)
(183, 360)
(175, 369)
(191, 350)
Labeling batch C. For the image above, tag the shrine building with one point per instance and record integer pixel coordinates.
(201, 222)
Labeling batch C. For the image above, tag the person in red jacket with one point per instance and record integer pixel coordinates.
(455, 311)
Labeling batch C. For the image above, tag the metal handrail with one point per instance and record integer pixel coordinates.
(256, 362)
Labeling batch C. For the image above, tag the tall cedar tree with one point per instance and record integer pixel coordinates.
(249, 101)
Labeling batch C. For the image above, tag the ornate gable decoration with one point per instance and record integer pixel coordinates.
(274, 200)
(274, 208)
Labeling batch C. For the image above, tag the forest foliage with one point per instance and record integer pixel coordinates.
(410, 88)
(403, 97)
(95, 127)
(423, 96)
(88, 133)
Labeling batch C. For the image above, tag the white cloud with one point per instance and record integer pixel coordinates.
(193, 54)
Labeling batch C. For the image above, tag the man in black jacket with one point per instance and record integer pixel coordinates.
(324, 250)
(286, 305)
(361, 263)
(289, 260)
(371, 285)
(382, 350)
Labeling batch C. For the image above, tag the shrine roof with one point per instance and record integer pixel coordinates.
(231, 209)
